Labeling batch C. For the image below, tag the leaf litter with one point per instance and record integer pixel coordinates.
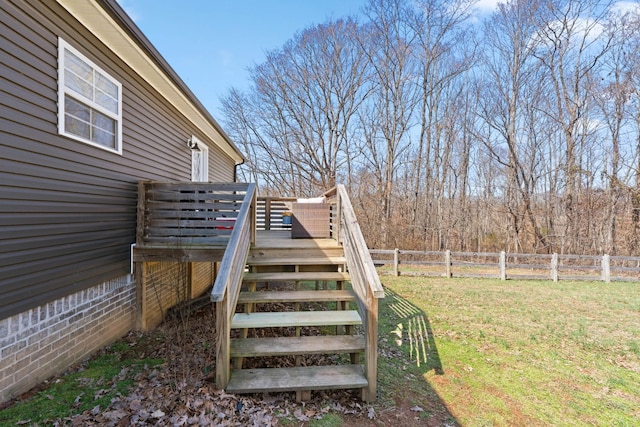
(181, 391)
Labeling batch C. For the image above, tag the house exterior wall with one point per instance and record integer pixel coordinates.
(68, 209)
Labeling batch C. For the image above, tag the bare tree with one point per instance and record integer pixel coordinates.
(444, 53)
(511, 76)
(387, 118)
(304, 97)
(569, 45)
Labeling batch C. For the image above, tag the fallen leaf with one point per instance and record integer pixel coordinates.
(157, 414)
(115, 415)
(372, 413)
(300, 416)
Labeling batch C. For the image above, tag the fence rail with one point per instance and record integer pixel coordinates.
(504, 265)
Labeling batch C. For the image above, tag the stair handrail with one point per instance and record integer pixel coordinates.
(364, 280)
(226, 287)
(349, 227)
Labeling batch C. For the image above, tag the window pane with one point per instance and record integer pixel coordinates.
(104, 138)
(106, 85)
(77, 84)
(104, 131)
(103, 122)
(78, 66)
(196, 158)
(107, 101)
(77, 127)
(77, 109)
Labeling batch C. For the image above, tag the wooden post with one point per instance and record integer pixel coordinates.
(337, 220)
(396, 261)
(447, 264)
(267, 213)
(141, 207)
(371, 350)
(606, 268)
(223, 368)
(554, 267)
(503, 265)
(253, 216)
(140, 274)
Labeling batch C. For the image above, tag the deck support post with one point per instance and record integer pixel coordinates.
(223, 328)
(303, 395)
(371, 349)
(140, 274)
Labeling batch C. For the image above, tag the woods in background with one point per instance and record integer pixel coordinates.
(518, 132)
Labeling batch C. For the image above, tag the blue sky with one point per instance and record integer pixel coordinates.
(210, 43)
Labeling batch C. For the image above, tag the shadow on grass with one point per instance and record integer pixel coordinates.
(415, 328)
(409, 352)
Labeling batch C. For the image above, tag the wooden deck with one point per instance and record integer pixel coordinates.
(189, 222)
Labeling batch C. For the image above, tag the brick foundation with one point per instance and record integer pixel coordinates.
(46, 340)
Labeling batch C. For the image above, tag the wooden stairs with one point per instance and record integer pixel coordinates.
(294, 302)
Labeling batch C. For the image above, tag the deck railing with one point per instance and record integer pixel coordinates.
(363, 275)
(188, 214)
(229, 281)
(270, 212)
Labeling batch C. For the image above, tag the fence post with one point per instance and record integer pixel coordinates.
(554, 267)
(447, 264)
(503, 265)
(396, 261)
(606, 268)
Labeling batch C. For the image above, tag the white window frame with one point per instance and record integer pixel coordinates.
(199, 160)
(64, 92)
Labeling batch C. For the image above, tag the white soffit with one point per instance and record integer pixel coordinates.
(98, 21)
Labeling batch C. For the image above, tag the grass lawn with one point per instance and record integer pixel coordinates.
(514, 352)
(471, 352)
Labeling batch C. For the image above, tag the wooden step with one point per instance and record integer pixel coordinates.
(295, 276)
(295, 253)
(264, 242)
(298, 378)
(282, 346)
(328, 260)
(296, 296)
(296, 318)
